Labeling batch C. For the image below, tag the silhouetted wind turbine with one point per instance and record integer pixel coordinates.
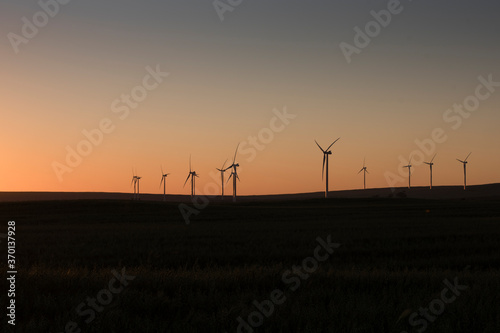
(191, 175)
(430, 164)
(234, 173)
(134, 182)
(138, 180)
(409, 172)
(222, 170)
(464, 162)
(164, 181)
(325, 160)
(364, 174)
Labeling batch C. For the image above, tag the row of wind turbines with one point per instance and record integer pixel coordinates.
(192, 175)
(430, 164)
(327, 152)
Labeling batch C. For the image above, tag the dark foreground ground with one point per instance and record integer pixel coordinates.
(388, 269)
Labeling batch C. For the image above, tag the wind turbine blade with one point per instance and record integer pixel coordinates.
(161, 181)
(433, 157)
(319, 146)
(409, 161)
(366, 171)
(229, 178)
(467, 157)
(332, 144)
(323, 170)
(223, 165)
(189, 163)
(234, 159)
(187, 179)
(364, 160)
(360, 171)
(237, 177)
(460, 160)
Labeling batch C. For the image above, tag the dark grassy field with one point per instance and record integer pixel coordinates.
(393, 257)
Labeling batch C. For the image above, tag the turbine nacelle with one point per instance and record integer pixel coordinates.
(222, 168)
(464, 161)
(365, 169)
(430, 163)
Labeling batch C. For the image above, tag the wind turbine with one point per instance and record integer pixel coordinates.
(164, 181)
(222, 170)
(364, 174)
(409, 172)
(137, 180)
(234, 173)
(325, 160)
(134, 182)
(464, 162)
(430, 164)
(191, 175)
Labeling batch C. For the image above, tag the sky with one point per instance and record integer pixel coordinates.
(152, 83)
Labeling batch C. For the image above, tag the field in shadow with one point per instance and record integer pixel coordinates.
(393, 257)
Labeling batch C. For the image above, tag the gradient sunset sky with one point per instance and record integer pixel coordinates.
(226, 78)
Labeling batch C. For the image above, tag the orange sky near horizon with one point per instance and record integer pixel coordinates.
(225, 79)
